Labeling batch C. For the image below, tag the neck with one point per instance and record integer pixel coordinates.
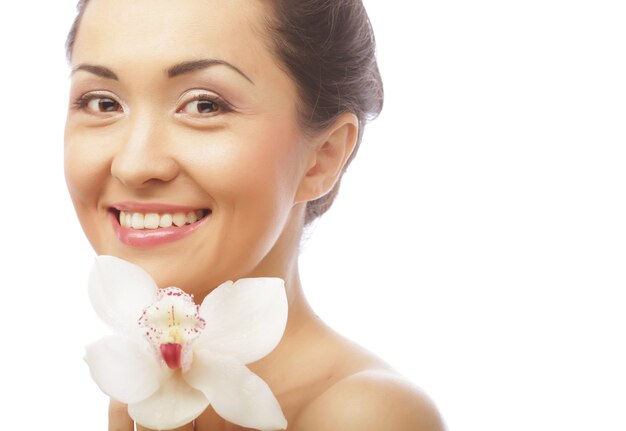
(284, 260)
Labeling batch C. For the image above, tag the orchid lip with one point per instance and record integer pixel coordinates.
(171, 353)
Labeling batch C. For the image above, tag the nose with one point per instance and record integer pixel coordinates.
(145, 157)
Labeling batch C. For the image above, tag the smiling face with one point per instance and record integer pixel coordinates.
(182, 148)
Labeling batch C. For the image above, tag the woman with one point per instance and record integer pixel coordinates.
(202, 136)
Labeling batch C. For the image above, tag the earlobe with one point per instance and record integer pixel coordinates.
(328, 159)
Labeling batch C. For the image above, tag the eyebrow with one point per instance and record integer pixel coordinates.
(100, 71)
(172, 72)
(192, 66)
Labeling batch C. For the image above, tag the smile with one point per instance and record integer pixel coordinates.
(151, 225)
(139, 221)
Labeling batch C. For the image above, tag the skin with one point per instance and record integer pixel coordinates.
(138, 135)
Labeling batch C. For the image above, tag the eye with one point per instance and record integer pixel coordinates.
(98, 104)
(204, 105)
(200, 107)
(103, 104)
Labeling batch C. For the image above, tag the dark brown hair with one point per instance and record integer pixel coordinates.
(328, 48)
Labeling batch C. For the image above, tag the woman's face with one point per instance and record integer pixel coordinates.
(178, 110)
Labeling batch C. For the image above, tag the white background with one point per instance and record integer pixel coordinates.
(478, 243)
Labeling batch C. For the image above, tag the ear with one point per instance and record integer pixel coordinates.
(326, 162)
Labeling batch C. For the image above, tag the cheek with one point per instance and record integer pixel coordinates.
(86, 168)
(259, 166)
(81, 168)
(252, 179)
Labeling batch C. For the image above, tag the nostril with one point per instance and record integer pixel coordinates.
(143, 167)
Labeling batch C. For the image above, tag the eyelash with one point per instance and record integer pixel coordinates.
(82, 102)
(222, 106)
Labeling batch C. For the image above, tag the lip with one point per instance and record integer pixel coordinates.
(145, 238)
(145, 207)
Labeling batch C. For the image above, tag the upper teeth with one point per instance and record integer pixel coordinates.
(135, 220)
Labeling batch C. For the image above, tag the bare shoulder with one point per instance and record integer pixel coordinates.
(370, 400)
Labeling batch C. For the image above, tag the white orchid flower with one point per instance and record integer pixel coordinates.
(172, 359)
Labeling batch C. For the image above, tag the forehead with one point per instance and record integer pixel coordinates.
(167, 31)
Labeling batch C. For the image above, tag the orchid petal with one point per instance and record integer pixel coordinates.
(236, 393)
(173, 405)
(123, 369)
(245, 319)
(119, 291)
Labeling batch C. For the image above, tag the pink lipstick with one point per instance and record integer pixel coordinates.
(153, 224)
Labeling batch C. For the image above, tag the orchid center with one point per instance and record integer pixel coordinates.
(171, 325)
